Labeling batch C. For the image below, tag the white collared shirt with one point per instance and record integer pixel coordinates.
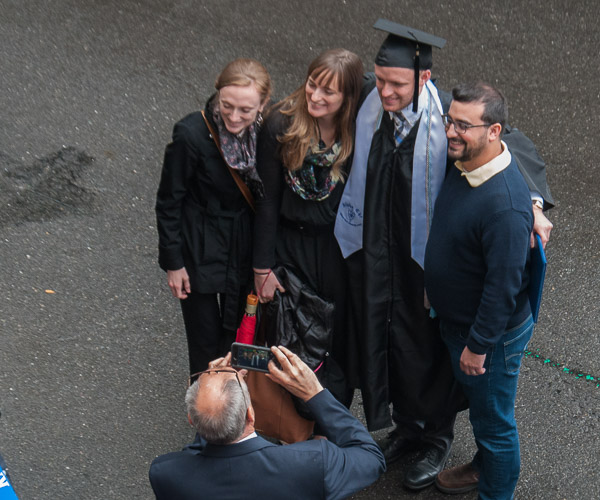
(411, 117)
(249, 436)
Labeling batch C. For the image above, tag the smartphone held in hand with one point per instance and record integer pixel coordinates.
(250, 357)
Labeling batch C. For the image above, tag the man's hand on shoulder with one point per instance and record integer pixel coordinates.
(293, 374)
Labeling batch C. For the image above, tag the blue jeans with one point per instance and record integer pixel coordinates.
(492, 407)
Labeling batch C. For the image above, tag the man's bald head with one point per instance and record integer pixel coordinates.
(217, 407)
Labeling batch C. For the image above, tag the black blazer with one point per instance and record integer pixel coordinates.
(335, 468)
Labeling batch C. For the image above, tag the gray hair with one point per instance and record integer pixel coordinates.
(226, 424)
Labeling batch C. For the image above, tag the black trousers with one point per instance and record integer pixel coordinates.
(206, 337)
(440, 433)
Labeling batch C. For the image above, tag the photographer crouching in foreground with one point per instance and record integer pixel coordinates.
(230, 460)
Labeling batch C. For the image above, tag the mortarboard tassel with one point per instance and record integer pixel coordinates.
(416, 92)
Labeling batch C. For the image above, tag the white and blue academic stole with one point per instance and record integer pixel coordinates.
(349, 220)
(429, 170)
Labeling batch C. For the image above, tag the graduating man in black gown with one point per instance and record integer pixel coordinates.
(382, 226)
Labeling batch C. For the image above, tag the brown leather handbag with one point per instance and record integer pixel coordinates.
(276, 415)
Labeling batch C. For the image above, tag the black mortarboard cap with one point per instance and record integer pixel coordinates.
(406, 47)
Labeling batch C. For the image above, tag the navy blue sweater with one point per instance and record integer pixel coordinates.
(476, 261)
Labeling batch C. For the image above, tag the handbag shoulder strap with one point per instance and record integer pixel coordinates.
(240, 183)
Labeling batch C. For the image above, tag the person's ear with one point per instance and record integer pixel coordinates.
(263, 104)
(250, 415)
(494, 131)
(190, 420)
(425, 75)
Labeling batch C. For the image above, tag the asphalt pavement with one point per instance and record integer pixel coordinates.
(93, 360)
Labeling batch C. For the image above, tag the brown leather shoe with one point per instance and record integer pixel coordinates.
(459, 479)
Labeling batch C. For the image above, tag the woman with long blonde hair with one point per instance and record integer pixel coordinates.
(303, 154)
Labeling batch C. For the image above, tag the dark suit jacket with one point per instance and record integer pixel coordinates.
(335, 468)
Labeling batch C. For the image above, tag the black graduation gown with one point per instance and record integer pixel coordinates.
(397, 350)
(298, 234)
(403, 359)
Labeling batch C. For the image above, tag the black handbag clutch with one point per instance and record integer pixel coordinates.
(298, 319)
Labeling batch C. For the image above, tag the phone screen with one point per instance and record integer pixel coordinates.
(250, 357)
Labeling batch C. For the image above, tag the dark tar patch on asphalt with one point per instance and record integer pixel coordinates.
(46, 189)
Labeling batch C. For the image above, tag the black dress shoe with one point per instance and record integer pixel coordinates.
(424, 472)
(395, 445)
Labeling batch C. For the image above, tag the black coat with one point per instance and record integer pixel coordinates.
(204, 222)
(399, 355)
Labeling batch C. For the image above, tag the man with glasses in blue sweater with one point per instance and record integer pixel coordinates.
(476, 278)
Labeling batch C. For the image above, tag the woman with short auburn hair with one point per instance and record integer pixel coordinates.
(204, 219)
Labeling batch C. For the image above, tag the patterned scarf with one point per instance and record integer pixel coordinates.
(312, 181)
(239, 151)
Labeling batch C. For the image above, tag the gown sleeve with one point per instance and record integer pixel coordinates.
(270, 170)
(530, 163)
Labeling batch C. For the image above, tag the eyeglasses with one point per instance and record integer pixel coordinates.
(461, 127)
(195, 376)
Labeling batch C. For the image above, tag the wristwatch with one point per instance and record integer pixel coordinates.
(539, 204)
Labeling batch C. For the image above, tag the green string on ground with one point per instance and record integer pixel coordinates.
(578, 374)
